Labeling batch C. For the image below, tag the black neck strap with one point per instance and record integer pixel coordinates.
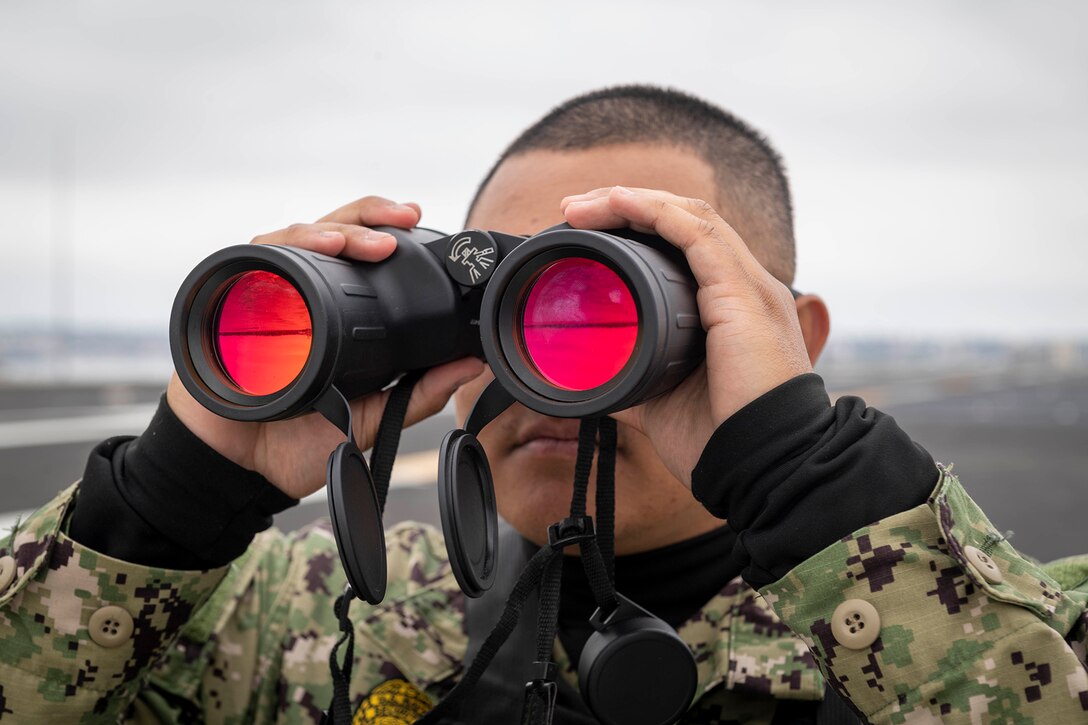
(387, 441)
(543, 570)
(382, 457)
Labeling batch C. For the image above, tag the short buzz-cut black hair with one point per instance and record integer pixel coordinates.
(751, 178)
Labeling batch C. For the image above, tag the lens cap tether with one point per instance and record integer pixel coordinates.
(357, 492)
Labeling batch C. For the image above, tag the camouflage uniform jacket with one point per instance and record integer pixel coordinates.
(85, 638)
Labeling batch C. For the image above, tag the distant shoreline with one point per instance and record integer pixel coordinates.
(32, 356)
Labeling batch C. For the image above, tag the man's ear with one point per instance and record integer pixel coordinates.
(815, 324)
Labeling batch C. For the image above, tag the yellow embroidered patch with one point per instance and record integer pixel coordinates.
(394, 702)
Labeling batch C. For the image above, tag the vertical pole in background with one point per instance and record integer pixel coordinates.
(61, 344)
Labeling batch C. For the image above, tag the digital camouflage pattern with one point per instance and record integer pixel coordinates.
(251, 642)
(953, 646)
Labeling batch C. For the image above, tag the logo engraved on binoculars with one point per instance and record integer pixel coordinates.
(474, 257)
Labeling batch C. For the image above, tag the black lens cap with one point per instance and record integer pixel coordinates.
(357, 522)
(635, 669)
(466, 500)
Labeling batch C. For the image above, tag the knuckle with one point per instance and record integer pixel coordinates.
(659, 208)
(707, 229)
(708, 212)
(702, 208)
(784, 294)
(771, 293)
(770, 302)
(371, 201)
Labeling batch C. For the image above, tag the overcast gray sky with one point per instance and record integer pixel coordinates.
(938, 151)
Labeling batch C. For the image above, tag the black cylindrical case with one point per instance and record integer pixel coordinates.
(371, 322)
(671, 341)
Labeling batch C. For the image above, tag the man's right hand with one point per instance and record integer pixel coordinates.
(292, 453)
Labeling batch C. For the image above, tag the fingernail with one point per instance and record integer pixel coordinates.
(623, 190)
(331, 234)
(373, 236)
(403, 207)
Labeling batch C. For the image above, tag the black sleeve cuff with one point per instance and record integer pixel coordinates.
(167, 499)
(769, 434)
(793, 474)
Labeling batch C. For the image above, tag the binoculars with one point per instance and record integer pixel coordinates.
(573, 323)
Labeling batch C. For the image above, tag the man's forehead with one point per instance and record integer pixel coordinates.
(523, 195)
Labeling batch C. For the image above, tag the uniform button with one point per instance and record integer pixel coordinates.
(984, 565)
(111, 626)
(855, 624)
(7, 572)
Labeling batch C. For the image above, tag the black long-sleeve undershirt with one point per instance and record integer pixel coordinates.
(791, 473)
(167, 499)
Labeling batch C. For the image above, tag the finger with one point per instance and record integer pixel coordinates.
(346, 240)
(696, 207)
(314, 237)
(715, 252)
(374, 211)
(712, 248)
(593, 214)
(601, 193)
(593, 210)
(588, 196)
(437, 385)
(362, 243)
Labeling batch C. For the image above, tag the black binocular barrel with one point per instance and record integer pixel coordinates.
(636, 283)
(368, 323)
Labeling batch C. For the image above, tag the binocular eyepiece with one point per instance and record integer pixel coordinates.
(573, 322)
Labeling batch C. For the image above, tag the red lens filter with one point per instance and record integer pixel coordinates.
(579, 323)
(262, 333)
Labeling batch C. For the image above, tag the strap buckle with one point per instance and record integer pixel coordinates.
(571, 530)
(541, 692)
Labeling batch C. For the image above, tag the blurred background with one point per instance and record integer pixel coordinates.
(937, 152)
